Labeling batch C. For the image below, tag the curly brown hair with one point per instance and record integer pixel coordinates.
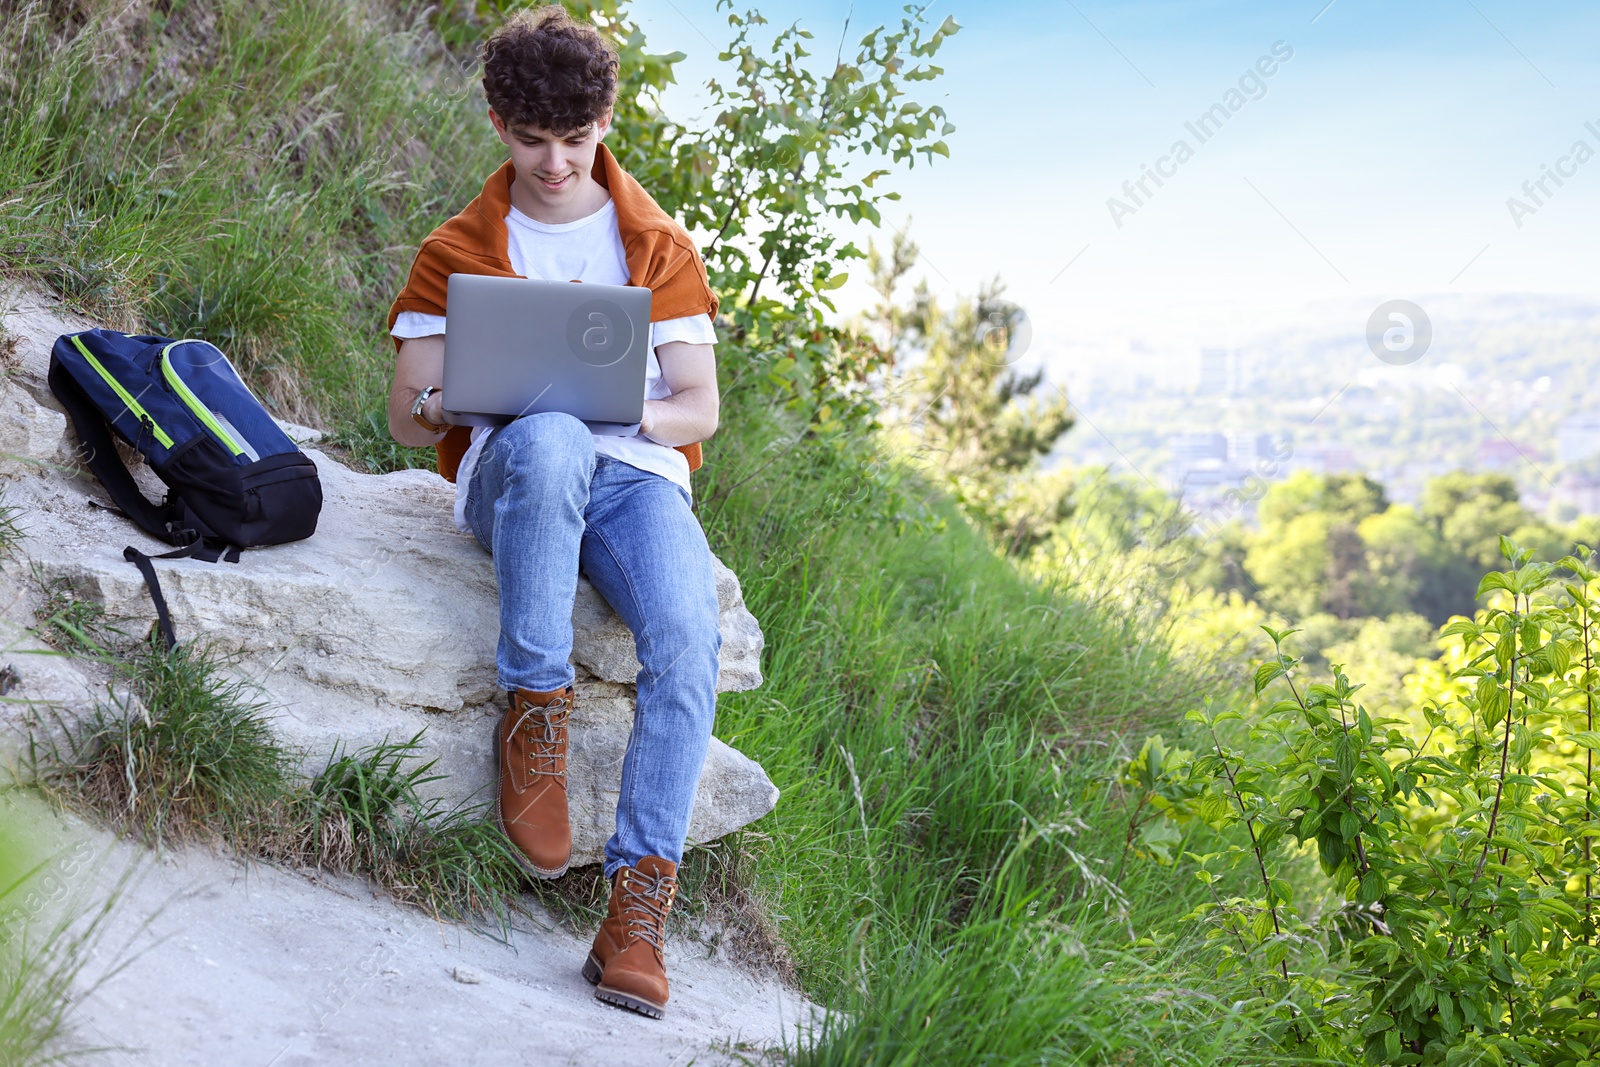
(545, 69)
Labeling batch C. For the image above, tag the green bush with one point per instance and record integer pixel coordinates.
(1457, 843)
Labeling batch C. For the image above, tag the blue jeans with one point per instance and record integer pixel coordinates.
(546, 507)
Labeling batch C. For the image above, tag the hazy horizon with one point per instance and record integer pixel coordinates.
(1374, 162)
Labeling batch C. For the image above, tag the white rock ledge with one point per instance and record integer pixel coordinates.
(382, 624)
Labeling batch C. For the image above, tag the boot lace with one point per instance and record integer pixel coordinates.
(645, 903)
(545, 728)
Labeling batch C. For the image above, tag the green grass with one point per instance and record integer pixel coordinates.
(11, 528)
(256, 174)
(363, 812)
(64, 619)
(355, 806)
(1014, 987)
(945, 732)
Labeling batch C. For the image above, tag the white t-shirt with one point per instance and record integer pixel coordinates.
(589, 249)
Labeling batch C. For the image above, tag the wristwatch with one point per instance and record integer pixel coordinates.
(419, 418)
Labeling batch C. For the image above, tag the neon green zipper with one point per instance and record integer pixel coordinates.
(192, 402)
(126, 397)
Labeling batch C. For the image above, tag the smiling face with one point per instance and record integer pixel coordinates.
(553, 171)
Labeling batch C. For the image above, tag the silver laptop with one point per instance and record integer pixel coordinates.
(518, 346)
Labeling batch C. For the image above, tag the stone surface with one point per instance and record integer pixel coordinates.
(382, 624)
(208, 961)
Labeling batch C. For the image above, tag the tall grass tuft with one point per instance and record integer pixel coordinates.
(364, 812)
(355, 804)
(454, 864)
(179, 751)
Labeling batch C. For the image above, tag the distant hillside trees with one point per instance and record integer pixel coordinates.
(1334, 544)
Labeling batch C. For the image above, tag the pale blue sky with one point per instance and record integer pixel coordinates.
(1377, 164)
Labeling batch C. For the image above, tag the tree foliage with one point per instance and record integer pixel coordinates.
(1335, 544)
(976, 421)
(979, 414)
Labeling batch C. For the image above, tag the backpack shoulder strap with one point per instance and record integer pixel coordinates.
(152, 583)
(99, 451)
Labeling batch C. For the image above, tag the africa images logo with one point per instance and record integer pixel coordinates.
(1399, 332)
(599, 333)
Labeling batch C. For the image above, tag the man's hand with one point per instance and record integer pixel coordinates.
(690, 413)
(419, 364)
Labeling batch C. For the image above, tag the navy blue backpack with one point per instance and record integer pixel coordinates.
(235, 479)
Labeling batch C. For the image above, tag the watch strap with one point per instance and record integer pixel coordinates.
(419, 418)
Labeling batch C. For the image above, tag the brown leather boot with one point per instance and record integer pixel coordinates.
(626, 964)
(531, 748)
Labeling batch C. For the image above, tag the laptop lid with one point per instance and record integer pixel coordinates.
(519, 346)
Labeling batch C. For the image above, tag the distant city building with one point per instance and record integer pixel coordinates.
(1214, 376)
(1245, 448)
(1200, 463)
(1200, 480)
(1207, 468)
(1337, 459)
(1578, 438)
(1324, 459)
(1207, 444)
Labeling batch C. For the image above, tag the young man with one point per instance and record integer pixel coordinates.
(547, 500)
